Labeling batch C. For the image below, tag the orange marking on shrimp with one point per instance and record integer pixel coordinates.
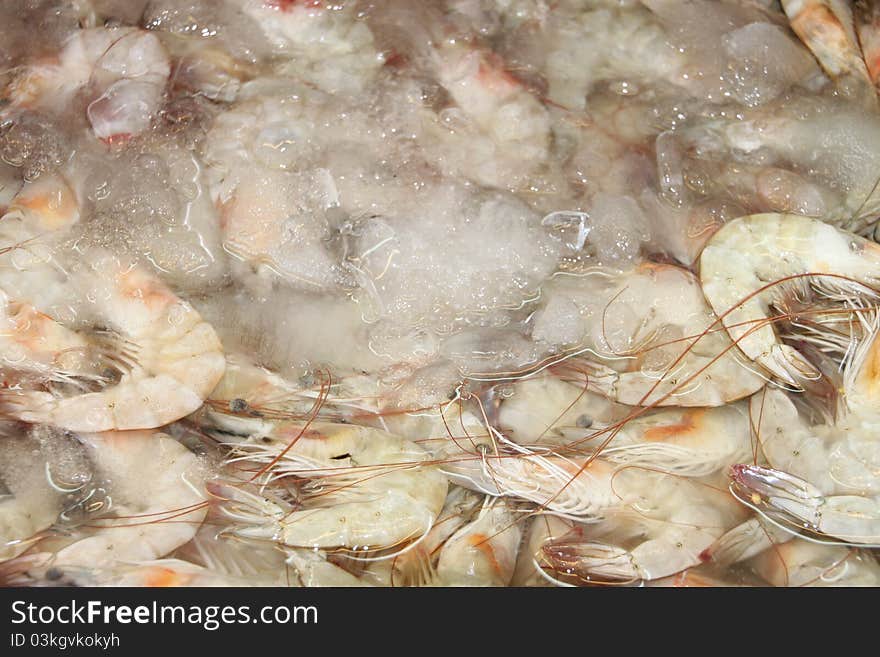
(55, 209)
(164, 577)
(134, 284)
(481, 542)
(686, 425)
(869, 376)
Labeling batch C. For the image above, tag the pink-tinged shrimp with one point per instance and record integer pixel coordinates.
(122, 70)
(827, 28)
(168, 358)
(867, 17)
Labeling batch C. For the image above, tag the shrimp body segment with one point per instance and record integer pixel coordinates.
(175, 359)
(365, 488)
(745, 268)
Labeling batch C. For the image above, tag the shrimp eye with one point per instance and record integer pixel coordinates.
(584, 421)
(54, 574)
(238, 405)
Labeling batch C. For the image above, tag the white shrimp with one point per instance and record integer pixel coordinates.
(818, 157)
(498, 132)
(654, 341)
(30, 502)
(530, 564)
(365, 488)
(802, 563)
(416, 567)
(691, 442)
(484, 552)
(156, 502)
(169, 360)
(664, 527)
(124, 71)
(743, 277)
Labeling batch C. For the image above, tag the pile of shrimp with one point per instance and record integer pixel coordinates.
(440, 293)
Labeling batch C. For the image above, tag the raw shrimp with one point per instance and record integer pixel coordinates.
(547, 410)
(802, 563)
(657, 328)
(30, 503)
(324, 43)
(159, 573)
(745, 264)
(498, 133)
(867, 17)
(691, 442)
(272, 205)
(744, 541)
(124, 71)
(169, 359)
(365, 488)
(823, 477)
(484, 552)
(416, 566)
(828, 30)
(530, 564)
(663, 528)
(158, 501)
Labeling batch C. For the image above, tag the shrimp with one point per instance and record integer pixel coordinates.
(745, 541)
(530, 564)
(867, 18)
(124, 71)
(689, 441)
(170, 359)
(741, 272)
(802, 563)
(546, 410)
(416, 566)
(159, 573)
(498, 132)
(663, 528)
(365, 488)
(484, 552)
(827, 28)
(325, 43)
(32, 501)
(156, 503)
(819, 158)
(824, 477)
(653, 342)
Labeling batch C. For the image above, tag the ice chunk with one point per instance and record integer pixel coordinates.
(619, 228)
(766, 62)
(454, 258)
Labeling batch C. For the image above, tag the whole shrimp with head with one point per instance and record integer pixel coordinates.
(123, 71)
(163, 359)
(692, 442)
(822, 474)
(647, 337)
(661, 527)
(356, 487)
